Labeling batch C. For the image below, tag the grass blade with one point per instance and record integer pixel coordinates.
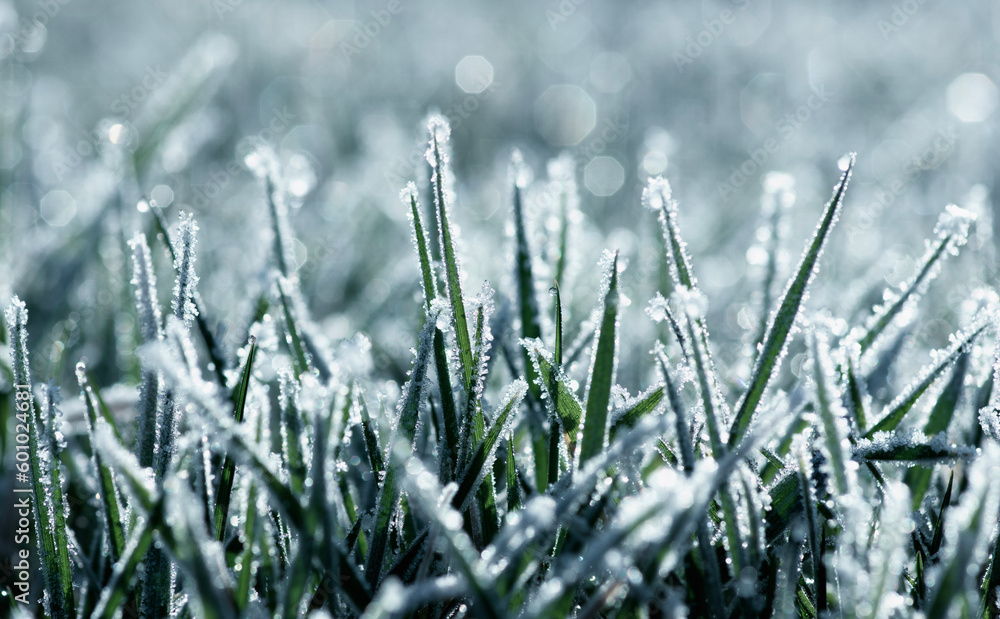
(59, 601)
(919, 478)
(642, 406)
(602, 374)
(225, 490)
(952, 232)
(476, 469)
(788, 309)
(389, 493)
(438, 159)
(899, 407)
(831, 412)
(109, 490)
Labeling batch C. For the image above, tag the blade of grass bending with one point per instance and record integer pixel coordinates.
(602, 377)
(439, 161)
(905, 402)
(225, 490)
(919, 478)
(388, 497)
(784, 317)
(109, 491)
(57, 604)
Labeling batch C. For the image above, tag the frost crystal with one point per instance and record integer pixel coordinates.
(656, 195)
(955, 223)
(144, 282)
(183, 304)
(17, 321)
(692, 302)
(658, 308)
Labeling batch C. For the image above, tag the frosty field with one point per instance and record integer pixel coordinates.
(393, 309)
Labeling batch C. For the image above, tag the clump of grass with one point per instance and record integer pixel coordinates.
(495, 489)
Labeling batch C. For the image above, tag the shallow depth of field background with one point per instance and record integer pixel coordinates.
(713, 95)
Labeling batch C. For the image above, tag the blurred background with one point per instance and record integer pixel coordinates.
(105, 101)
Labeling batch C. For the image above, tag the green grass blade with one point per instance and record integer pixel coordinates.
(559, 395)
(890, 312)
(389, 493)
(109, 490)
(602, 375)
(60, 510)
(899, 407)
(428, 279)
(293, 337)
(215, 353)
(680, 416)
(831, 411)
(449, 411)
(855, 399)
(513, 485)
(910, 448)
(476, 469)
(814, 528)
(644, 405)
(440, 131)
(711, 399)
(527, 300)
(952, 232)
(225, 491)
(57, 604)
(113, 594)
(938, 538)
(245, 561)
(558, 347)
(784, 318)
(371, 441)
(919, 478)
